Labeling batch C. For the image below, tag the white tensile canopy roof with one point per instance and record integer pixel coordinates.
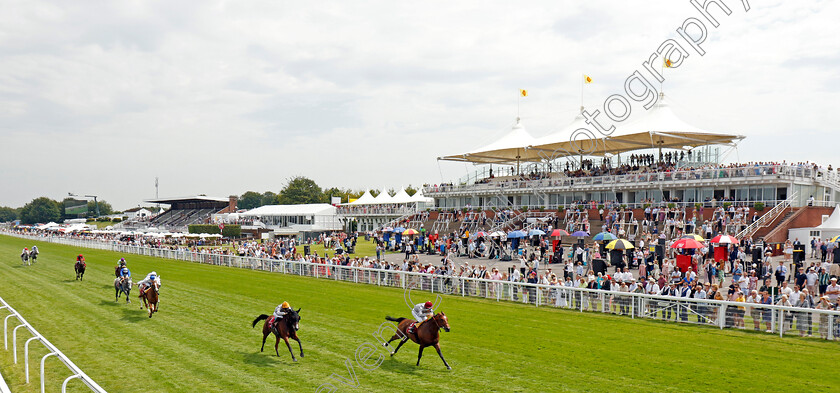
(556, 144)
(658, 128)
(366, 198)
(833, 221)
(509, 149)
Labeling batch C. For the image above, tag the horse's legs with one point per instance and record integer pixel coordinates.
(437, 347)
(265, 335)
(420, 354)
(276, 343)
(404, 339)
(286, 339)
(299, 345)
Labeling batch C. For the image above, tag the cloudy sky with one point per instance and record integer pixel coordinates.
(223, 97)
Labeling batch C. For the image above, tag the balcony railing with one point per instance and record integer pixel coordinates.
(650, 178)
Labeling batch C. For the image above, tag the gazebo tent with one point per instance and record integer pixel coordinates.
(383, 197)
(419, 197)
(827, 230)
(365, 199)
(401, 197)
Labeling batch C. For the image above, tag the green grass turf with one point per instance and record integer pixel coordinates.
(202, 341)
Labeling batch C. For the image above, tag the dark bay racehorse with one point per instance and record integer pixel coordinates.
(285, 328)
(427, 335)
(121, 286)
(80, 267)
(150, 299)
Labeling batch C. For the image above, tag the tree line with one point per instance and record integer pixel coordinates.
(43, 210)
(301, 190)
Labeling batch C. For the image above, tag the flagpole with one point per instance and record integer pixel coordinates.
(582, 77)
(663, 75)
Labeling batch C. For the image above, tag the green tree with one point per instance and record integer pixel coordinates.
(269, 198)
(374, 193)
(392, 192)
(410, 190)
(300, 190)
(40, 210)
(104, 208)
(8, 214)
(333, 192)
(249, 200)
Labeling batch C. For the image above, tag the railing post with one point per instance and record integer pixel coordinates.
(6, 329)
(64, 384)
(26, 356)
(14, 340)
(44, 359)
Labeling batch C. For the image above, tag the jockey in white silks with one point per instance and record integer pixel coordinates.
(152, 277)
(421, 312)
(282, 310)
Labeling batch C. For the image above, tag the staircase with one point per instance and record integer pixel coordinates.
(769, 218)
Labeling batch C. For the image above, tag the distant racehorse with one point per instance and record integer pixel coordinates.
(80, 267)
(121, 286)
(427, 335)
(285, 328)
(150, 299)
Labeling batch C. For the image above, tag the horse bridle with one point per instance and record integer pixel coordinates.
(434, 318)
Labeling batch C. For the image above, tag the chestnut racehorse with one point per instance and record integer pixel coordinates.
(150, 299)
(285, 328)
(427, 335)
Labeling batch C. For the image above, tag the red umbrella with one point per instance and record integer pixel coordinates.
(559, 232)
(687, 243)
(724, 239)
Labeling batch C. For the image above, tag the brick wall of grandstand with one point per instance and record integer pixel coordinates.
(779, 319)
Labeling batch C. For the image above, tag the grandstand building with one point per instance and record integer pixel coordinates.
(658, 161)
(185, 211)
(658, 158)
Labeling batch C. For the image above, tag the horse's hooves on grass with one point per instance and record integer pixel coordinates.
(294, 360)
(448, 368)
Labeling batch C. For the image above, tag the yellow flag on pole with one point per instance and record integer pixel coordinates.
(587, 79)
(523, 93)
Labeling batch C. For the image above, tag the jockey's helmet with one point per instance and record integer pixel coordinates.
(428, 305)
(285, 305)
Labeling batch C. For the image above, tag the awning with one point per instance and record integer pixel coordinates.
(511, 148)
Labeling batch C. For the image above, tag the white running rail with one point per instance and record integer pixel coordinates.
(774, 319)
(76, 372)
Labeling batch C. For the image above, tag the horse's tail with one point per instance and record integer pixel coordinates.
(397, 320)
(259, 318)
